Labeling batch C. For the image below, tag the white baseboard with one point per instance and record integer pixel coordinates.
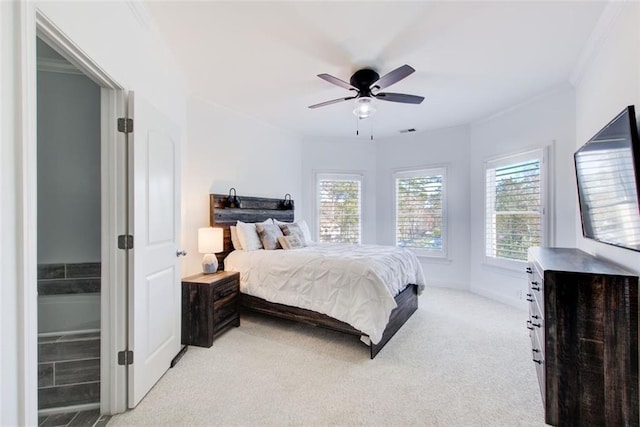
(513, 302)
(445, 284)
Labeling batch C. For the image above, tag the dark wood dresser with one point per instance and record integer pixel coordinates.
(583, 323)
(210, 306)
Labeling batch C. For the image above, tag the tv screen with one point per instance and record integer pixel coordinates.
(606, 171)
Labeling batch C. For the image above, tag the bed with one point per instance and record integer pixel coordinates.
(371, 290)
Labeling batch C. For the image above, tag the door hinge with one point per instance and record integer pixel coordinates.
(125, 241)
(125, 357)
(125, 125)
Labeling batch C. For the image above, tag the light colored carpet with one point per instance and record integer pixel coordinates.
(460, 360)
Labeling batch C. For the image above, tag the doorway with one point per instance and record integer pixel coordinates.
(69, 235)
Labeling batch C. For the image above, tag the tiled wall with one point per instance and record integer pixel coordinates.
(72, 278)
(68, 365)
(68, 370)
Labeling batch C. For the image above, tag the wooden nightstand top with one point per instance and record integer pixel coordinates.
(208, 279)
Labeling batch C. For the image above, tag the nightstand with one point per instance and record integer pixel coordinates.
(210, 306)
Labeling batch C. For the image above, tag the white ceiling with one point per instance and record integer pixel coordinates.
(472, 59)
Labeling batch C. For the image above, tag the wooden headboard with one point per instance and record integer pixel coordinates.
(252, 209)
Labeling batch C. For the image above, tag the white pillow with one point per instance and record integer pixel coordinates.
(234, 238)
(304, 227)
(248, 235)
(305, 230)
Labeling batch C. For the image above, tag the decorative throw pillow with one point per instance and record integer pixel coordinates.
(248, 236)
(290, 242)
(303, 226)
(269, 234)
(293, 229)
(234, 238)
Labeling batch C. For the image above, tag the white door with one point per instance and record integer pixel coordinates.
(154, 290)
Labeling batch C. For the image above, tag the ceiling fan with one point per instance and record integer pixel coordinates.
(367, 83)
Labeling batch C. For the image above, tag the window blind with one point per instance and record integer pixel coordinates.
(419, 209)
(513, 208)
(339, 214)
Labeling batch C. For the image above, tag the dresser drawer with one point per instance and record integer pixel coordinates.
(536, 286)
(535, 322)
(537, 355)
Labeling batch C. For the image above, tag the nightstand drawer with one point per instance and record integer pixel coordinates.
(224, 308)
(225, 289)
(226, 322)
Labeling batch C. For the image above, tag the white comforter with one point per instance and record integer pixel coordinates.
(352, 283)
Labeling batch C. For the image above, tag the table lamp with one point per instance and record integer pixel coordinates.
(209, 242)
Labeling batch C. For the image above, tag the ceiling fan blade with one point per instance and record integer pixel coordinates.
(336, 81)
(333, 101)
(393, 77)
(399, 97)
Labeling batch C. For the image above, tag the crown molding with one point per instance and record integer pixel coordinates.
(598, 36)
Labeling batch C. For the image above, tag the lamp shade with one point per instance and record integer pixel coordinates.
(210, 240)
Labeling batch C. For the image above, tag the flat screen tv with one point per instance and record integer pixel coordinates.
(607, 171)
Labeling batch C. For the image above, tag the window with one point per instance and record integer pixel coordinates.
(514, 207)
(419, 211)
(339, 208)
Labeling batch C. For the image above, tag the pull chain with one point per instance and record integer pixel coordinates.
(371, 130)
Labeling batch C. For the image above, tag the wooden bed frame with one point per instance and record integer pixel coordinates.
(257, 209)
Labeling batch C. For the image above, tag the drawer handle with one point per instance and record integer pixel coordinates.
(535, 350)
(529, 327)
(536, 288)
(529, 270)
(529, 299)
(227, 293)
(537, 325)
(535, 316)
(539, 362)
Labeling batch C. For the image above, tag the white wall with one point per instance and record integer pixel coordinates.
(119, 39)
(444, 147)
(340, 155)
(228, 149)
(9, 331)
(608, 83)
(547, 120)
(68, 168)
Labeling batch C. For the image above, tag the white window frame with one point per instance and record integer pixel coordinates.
(338, 176)
(542, 154)
(427, 171)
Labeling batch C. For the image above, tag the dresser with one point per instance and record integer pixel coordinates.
(210, 306)
(583, 324)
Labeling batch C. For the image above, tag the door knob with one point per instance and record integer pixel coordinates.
(181, 252)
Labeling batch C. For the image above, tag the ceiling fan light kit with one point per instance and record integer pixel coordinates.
(364, 107)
